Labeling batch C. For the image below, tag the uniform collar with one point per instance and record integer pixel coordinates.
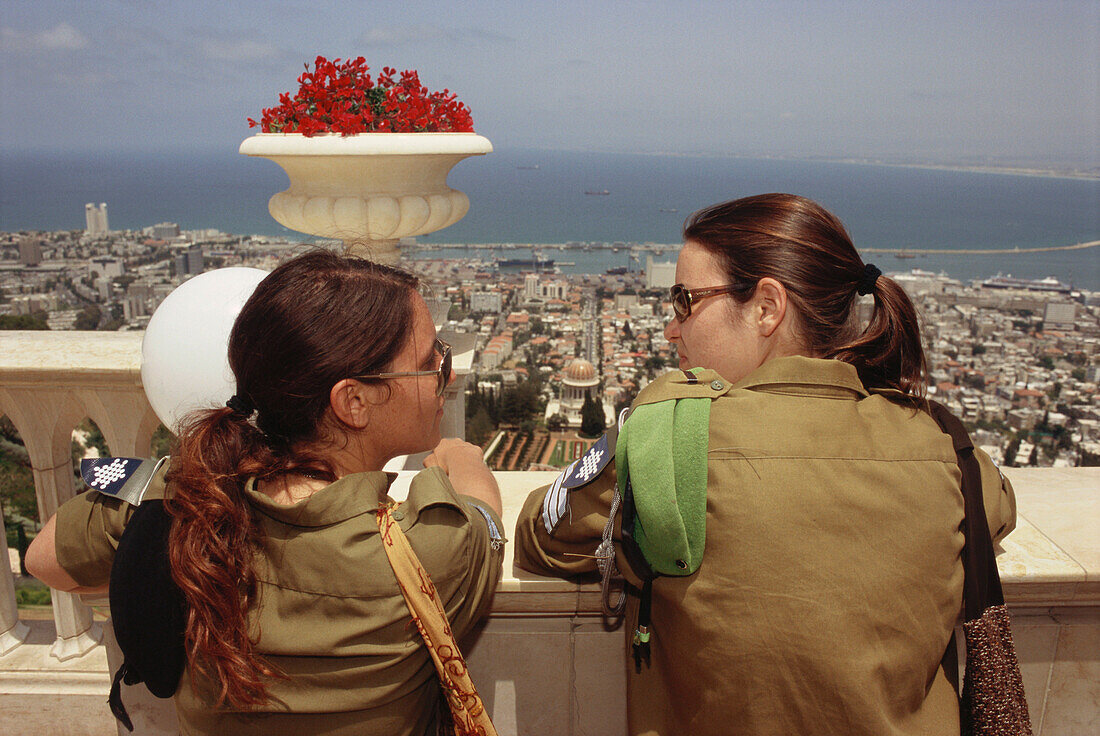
(354, 495)
(800, 375)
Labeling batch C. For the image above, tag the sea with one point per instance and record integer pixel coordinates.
(532, 197)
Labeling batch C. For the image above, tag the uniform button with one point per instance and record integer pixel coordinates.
(680, 563)
(398, 515)
(717, 385)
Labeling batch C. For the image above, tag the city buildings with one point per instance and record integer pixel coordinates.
(1020, 365)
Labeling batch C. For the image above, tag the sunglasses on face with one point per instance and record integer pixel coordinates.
(442, 373)
(682, 297)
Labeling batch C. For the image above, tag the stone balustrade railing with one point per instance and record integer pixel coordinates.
(49, 382)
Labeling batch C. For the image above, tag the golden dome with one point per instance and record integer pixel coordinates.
(580, 370)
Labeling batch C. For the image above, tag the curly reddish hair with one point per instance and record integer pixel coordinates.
(313, 321)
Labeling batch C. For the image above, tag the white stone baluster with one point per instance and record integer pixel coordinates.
(125, 418)
(12, 631)
(45, 419)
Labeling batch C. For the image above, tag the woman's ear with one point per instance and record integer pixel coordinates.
(770, 300)
(352, 402)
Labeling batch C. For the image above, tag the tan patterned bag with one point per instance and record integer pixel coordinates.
(468, 713)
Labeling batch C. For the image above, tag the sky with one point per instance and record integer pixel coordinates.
(1015, 82)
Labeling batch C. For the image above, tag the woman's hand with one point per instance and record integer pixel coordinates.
(454, 451)
(464, 465)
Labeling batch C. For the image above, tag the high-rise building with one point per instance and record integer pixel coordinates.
(659, 275)
(189, 262)
(30, 251)
(166, 230)
(105, 267)
(1059, 315)
(95, 218)
(553, 289)
(486, 301)
(531, 286)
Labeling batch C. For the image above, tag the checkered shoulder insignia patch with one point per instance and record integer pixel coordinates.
(125, 478)
(578, 473)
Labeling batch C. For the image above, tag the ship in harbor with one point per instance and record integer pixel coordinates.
(1008, 282)
(537, 263)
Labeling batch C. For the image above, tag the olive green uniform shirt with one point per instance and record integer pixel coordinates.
(831, 578)
(330, 614)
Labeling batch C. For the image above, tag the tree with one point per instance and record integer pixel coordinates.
(519, 403)
(654, 364)
(161, 443)
(1011, 450)
(973, 380)
(626, 398)
(36, 321)
(88, 319)
(592, 419)
(479, 428)
(628, 333)
(555, 423)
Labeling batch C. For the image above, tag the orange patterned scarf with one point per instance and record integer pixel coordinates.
(467, 711)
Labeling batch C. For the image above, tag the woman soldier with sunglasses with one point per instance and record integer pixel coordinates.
(295, 622)
(830, 580)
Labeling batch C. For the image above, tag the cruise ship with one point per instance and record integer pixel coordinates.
(1008, 282)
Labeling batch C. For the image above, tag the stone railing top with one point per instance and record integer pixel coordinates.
(61, 359)
(102, 359)
(1052, 559)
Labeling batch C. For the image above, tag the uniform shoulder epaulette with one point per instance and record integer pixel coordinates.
(124, 478)
(580, 472)
(698, 383)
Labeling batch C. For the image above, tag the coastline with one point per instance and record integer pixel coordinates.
(1081, 172)
(1045, 173)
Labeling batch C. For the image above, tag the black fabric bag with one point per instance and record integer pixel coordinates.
(147, 609)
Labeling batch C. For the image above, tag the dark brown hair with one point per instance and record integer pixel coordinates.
(313, 321)
(800, 244)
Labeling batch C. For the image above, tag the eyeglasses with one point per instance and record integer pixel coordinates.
(442, 373)
(682, 297)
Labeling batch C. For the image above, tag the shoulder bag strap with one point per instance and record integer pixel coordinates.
(467, 711)
(982, 586)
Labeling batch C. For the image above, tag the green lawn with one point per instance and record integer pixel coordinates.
(566, 451)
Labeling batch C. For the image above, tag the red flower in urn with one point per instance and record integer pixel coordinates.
(339, 96)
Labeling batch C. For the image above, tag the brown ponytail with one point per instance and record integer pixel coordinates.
(888, 354)
(313, 321)
(803, 246)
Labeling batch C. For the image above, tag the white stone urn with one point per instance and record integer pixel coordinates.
(368, 189)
